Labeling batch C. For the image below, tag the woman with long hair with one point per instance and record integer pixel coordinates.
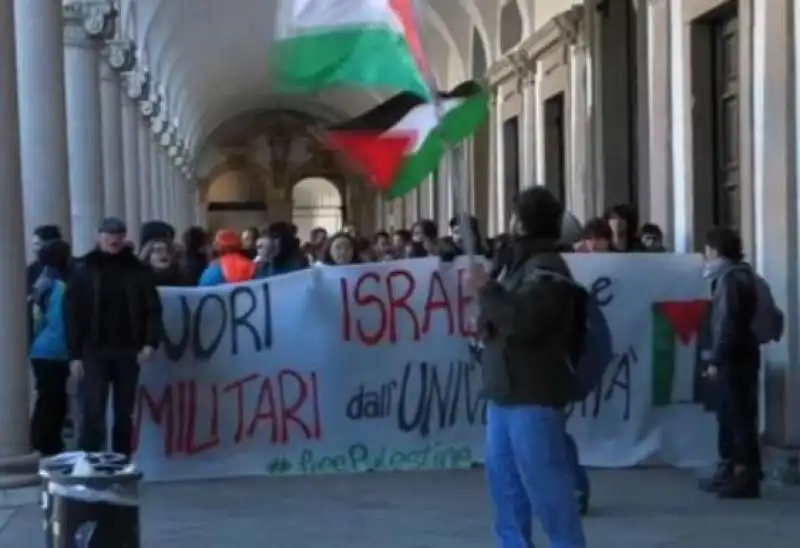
(160, 256)
(341, 249)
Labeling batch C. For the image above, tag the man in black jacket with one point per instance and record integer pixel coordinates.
(113, 324)
(528, 324)
(734, 360)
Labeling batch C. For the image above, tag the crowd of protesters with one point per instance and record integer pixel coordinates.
(97, 318)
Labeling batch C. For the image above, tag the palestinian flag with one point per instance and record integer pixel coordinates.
(359, 43)
(675, 331)
(401, 142)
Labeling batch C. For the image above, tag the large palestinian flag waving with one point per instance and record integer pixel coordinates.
(401, 142)
(372, 44)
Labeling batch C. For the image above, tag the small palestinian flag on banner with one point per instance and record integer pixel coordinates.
(676, 327)
(401, 142)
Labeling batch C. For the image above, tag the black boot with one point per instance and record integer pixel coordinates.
(743, 484)
(721, 475)
(583, 503)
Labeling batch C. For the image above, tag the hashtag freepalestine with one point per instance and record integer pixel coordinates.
(279, 465)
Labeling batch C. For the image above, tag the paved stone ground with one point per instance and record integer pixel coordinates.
(632, 509)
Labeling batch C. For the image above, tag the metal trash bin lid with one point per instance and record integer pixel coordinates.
(114, 481)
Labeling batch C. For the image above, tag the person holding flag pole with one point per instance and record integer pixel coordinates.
(528, 465)
(524, 317)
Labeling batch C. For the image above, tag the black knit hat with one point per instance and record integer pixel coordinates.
(47, 233)
(539, 213)
(156, 230)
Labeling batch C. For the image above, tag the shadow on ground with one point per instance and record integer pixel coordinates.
(632, 509)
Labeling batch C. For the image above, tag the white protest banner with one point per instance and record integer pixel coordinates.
(371, 367)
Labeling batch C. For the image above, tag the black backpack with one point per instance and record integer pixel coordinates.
(589, 328)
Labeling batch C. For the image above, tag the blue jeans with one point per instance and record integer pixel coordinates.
(581, 477)
(529, 472)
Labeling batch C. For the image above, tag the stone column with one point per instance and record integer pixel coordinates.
(659, 160)
(775, 205)
(578, 201)
(85, 24)
(178, 198)
(538, 107)
(145, 172)
(166, 143)
(680, 132)
(499, 193)
(139, 90)
(164, 189)
(155, 177)
(379, 211)
(494, 163)
(111, 118)
(184, 200)
(524, 74)
(42, 117)
(430, 198)
(199, 208)
(132, 161)
(14, 389)
(172, 210)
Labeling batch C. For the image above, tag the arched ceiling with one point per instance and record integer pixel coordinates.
(209, 58)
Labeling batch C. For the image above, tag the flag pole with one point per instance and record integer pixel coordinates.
(458, 193)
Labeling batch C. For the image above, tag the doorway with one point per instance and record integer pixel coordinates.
(511, 169)
(555, 146)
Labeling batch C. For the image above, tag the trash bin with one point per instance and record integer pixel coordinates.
(98, 509)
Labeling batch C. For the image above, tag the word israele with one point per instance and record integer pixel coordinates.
(403, 312)
(195, 418)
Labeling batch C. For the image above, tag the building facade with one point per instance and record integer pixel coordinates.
(152, 109)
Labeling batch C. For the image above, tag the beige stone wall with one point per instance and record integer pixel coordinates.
(521, 82)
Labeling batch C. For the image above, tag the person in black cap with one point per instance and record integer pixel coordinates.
(155, 230)
(112, 325)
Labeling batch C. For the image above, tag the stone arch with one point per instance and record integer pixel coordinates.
(236, 179)
(511, 26)
(234, 185)
(480, 61)
(316, 202)
(235, 196)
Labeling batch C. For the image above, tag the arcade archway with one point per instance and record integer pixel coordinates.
(316, 202)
